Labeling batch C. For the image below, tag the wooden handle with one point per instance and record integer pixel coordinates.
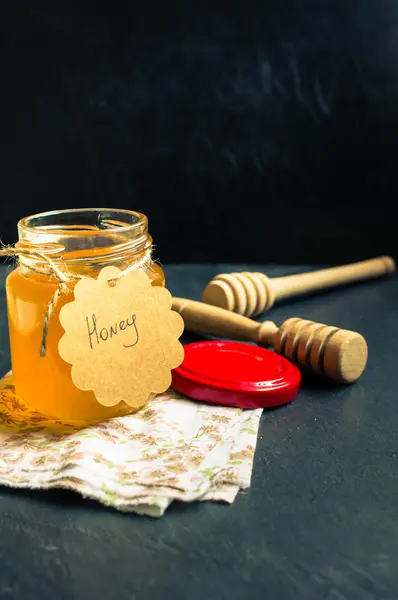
(336, 353)
(219, 322)
(253, 293)
(293, 285)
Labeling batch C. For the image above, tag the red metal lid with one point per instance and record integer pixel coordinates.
(236, 374)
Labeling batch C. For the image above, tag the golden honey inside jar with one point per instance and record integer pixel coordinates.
(79, 242)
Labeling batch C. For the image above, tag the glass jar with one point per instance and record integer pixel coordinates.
(81, 242)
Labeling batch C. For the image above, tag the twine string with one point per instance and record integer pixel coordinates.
(65, 280)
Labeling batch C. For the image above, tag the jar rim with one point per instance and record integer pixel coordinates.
(137, 220)
(85, 234)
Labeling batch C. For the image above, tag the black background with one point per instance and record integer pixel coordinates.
(246, 131)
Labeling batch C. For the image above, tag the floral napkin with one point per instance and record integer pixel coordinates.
(173, 449)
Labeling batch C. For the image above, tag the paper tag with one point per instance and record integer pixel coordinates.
(121, 338)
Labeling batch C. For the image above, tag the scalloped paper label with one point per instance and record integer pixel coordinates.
(121, 337)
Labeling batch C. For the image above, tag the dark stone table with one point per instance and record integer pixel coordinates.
(320, 520)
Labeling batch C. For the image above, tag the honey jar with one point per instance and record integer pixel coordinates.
(79, 242)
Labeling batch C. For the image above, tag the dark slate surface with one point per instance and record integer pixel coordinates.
(320, 520)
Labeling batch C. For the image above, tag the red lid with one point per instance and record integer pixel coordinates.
(236, 374)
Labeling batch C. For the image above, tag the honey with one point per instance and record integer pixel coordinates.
(80, 242)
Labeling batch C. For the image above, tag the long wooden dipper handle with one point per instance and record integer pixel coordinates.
(292, 285)
(213, 320)
(253, 293)
(335, 353)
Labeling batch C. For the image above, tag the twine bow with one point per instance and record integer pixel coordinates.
(65, 280)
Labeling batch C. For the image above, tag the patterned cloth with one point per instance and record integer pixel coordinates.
(173, 449)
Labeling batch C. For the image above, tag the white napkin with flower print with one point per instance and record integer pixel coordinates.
(173, 449)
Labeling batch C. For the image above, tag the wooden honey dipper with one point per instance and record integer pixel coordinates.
(251, 294)
(336, 353)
